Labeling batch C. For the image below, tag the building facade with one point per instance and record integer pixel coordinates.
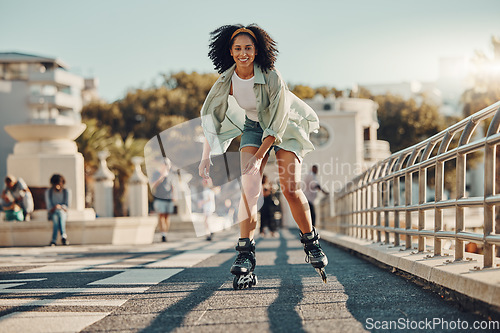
(40, 114)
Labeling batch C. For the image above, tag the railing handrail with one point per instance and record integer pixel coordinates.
(474, 118)
(363, 203)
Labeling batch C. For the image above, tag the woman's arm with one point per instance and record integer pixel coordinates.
(204, 167)
(264, 147)
(255, 162)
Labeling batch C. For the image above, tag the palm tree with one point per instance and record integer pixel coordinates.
(120, 162)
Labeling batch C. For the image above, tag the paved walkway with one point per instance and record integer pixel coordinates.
(185, 286)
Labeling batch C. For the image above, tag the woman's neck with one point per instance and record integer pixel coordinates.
(244, 73)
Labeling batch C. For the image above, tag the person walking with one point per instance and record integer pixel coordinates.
(57, 200)
(268, 116)
(311, 190)
(162, 188)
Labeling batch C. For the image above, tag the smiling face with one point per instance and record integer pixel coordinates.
(243, 51)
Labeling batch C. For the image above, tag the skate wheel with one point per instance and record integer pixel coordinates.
(322, 273)
(254, 280)
(244, 281)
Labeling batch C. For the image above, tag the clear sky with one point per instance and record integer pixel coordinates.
(336, 43)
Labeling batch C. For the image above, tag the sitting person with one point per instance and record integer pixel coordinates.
(57, 199)
(17, 200)
(13, 211)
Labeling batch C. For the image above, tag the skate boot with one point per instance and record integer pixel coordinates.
(244, 265)
(314, 254)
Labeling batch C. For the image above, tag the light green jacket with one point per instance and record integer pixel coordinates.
(281, 114)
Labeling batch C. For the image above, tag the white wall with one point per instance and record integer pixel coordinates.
(13, 110)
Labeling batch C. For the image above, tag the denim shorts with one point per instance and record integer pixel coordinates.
(252, 135)
(163, 206)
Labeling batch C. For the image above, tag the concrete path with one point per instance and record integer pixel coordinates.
(185, 286)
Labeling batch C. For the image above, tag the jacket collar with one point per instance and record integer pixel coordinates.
(257, 72)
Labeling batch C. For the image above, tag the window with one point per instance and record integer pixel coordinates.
(366, 133)
(16, 71)
(320, 138)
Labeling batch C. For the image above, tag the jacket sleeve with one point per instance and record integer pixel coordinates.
(278, 107)
(211, 121)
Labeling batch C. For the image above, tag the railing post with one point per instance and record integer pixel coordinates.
(363, 215)
(438, 218)
(385, 187)
(489, 189)
(378, 193)
(421, 221)
(438, 212)
(408, 195)
(461, 169)
(352, 228)
(380, 204)
(422, 178)
(396, 190)
(373, 197)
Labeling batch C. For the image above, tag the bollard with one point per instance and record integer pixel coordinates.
(103, 192)
(138, 190)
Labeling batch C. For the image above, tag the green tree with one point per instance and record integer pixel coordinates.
(303, 92)
(404, 123)
(143, 111)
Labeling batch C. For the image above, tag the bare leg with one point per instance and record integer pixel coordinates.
(164, 221)
(251, 187)
(167, 223)
(289, 170)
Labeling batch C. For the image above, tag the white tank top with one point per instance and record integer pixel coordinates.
(245, 96)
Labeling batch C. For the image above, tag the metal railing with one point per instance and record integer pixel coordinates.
(370, 205)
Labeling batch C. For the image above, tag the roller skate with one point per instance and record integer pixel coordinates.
(244, 265)
(314, 254)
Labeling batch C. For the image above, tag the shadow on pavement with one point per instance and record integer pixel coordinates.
(376, 297)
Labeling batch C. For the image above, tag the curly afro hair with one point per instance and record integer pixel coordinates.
(221, 43)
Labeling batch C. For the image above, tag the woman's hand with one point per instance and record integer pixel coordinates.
(204, 168)
(253, 166)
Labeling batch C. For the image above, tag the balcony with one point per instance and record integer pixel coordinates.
(57, 77)
(59, 100)
(376, 150)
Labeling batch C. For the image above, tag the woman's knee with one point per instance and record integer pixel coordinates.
(251, 185)
(291, 191)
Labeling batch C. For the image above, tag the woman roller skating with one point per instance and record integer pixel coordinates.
(273, 118)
